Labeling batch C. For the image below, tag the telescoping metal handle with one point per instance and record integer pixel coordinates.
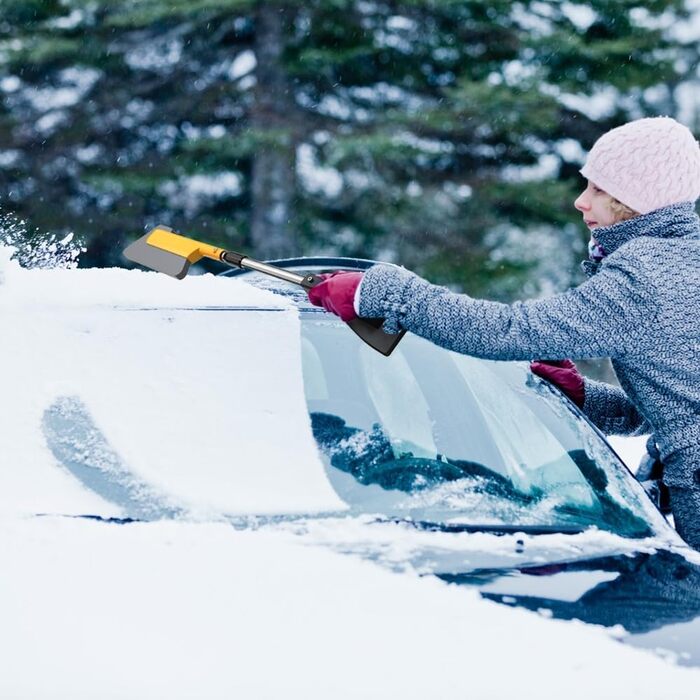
(243, 261)
(368, 329)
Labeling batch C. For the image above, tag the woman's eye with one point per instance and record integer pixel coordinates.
(597, 190)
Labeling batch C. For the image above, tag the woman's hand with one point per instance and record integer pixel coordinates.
(337, 293)
(563, 374)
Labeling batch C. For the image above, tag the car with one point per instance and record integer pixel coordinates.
(431, 442)
(476, 472)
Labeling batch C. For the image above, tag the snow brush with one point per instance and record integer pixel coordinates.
(163, 250)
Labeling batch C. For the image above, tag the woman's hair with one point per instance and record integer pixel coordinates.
(621, 211)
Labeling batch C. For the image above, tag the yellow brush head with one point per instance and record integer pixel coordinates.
(165, 251)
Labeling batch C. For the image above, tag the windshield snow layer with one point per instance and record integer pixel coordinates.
(159, 384)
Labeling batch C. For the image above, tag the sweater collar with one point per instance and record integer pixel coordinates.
(675, 221)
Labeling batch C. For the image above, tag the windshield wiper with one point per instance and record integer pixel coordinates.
(431, 526)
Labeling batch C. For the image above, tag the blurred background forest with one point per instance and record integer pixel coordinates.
(444, 135)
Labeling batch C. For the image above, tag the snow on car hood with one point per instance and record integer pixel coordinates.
(202, 402)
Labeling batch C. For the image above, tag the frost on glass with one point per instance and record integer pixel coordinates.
(437, 436)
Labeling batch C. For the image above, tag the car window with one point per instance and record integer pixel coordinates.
(437, 436)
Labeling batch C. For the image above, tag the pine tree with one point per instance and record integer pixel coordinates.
(443, 134)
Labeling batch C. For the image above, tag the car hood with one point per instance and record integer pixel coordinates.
(647, 592)
(652, 600)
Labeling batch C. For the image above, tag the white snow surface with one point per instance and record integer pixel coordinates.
(206, 405)
(183, 610)
(630, 450)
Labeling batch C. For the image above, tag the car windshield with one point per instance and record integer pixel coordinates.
(435, 436)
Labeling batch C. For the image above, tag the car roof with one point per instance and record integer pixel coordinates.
(313, 264)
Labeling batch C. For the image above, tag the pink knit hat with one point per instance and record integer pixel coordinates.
(646, 164)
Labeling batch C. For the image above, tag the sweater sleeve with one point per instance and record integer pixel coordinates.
(603, 317)
(611, 411)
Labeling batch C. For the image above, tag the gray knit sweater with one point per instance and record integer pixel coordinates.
(640, 307)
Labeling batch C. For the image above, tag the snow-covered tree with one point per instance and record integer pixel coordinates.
(444, 134)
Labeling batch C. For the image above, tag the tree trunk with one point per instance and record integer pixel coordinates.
(273, 232)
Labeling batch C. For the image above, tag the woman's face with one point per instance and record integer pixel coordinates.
(594, 204)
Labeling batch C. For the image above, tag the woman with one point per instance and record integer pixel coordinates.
(640, 306)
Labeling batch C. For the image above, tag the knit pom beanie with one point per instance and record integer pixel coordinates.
(646, 164)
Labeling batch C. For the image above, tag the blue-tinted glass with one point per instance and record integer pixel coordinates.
(436, 436)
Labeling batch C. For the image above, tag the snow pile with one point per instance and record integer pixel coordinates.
(401, 546)
(202, 402)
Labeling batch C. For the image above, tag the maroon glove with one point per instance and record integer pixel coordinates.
(337, 293)
(562, 373)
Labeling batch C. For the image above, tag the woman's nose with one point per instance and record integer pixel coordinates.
(581, 203)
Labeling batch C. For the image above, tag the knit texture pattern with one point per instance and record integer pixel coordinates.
(640, 307)
(646, 164)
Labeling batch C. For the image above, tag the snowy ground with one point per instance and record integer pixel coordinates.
(630, 450)
(189, 606)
